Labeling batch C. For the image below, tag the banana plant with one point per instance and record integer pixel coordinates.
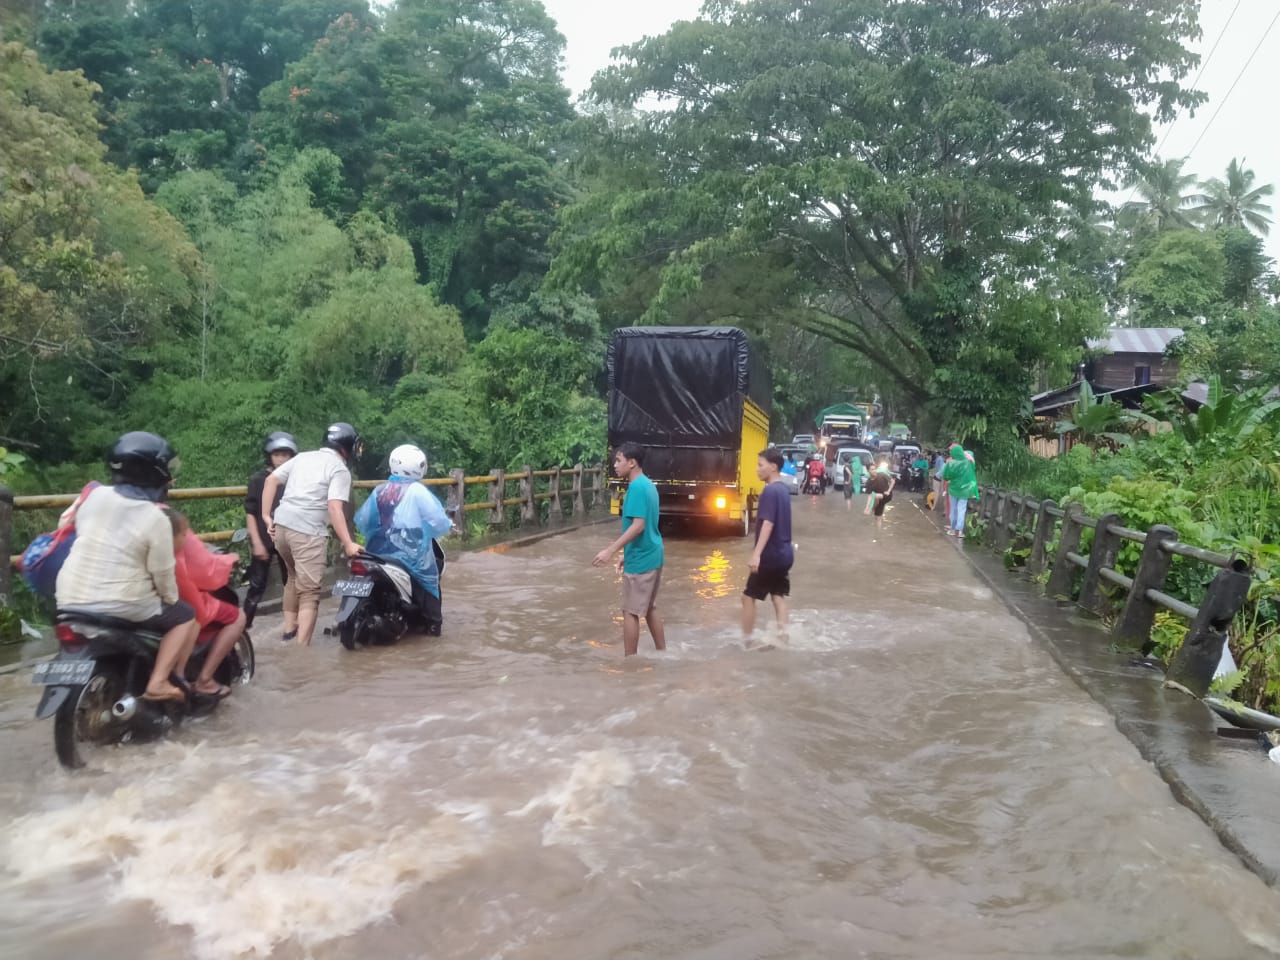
(1098, 419)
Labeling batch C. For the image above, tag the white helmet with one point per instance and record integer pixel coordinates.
(408, 461)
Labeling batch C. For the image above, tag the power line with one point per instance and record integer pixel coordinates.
(1223, 101)
(1194, 83)
(1200, 73)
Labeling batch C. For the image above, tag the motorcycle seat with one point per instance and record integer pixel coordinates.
(101, 620)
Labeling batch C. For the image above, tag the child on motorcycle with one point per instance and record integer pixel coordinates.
(401, 520)
(199, 573)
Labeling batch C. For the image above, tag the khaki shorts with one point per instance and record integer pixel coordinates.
(304, 556)
(640, 592)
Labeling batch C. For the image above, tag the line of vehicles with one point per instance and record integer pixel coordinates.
(698, 399)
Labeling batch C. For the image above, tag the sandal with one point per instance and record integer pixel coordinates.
(221, 691)
(289, 637)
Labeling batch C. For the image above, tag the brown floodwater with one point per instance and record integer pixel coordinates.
(906, 774)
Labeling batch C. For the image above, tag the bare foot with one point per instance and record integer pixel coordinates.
(163, 691)
(211, 688)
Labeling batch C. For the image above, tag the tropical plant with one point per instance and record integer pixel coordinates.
(1098, 419)
(1234, 201)
(1165, 197)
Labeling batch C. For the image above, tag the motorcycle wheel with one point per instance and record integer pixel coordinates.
(240, 664)
(351, 634)
(84, 724)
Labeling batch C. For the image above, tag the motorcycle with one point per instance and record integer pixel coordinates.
(381, 602)
(94, 686)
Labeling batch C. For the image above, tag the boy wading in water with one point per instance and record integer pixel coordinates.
(772, 559)
(642, 553)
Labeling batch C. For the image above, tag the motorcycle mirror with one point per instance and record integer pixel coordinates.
(240, 536)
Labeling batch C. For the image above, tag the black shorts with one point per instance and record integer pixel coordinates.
(766, 583)
(170, 616)
(882, 500)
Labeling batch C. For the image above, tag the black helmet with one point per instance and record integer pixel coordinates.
(279, 441)
(142, 459)
(343, 437)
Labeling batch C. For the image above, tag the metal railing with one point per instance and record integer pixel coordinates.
(578, 490)
(1008, 514)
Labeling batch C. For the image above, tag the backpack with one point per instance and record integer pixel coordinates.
(45, 555)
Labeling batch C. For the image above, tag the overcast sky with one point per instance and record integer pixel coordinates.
(1245, 126)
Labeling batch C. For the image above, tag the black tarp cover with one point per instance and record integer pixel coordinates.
(682, 386)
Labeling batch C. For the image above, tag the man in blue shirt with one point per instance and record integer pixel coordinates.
(642, 554)
(771, 562)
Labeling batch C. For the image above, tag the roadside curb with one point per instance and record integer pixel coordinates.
(1230, 787)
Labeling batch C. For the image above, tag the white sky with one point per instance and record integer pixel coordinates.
(1245, 126)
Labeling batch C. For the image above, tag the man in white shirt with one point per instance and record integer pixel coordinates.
(121, 564)
(317, 486)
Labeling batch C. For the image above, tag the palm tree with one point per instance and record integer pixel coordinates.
(1164, 199)
(1234, 202)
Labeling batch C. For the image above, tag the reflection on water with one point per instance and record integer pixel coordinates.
(712, 579)
(908, 776)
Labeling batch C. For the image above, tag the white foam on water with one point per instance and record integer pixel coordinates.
(260, 858)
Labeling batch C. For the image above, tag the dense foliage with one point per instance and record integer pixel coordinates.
(1212, 476)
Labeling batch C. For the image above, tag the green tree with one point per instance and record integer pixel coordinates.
(1179, 281)
(1166, 199)
(906, 155)
(1235, 201)
(89, 269)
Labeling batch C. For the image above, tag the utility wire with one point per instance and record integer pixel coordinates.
(1200, 73)
(1224, 100)
(1194, 83)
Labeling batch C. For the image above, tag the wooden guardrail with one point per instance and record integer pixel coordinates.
(583, 493)
(1007, 513)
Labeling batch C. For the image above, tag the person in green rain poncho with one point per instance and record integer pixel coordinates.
(961, 478)
(855, 473)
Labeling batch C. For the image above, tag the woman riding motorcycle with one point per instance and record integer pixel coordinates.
(400, 521)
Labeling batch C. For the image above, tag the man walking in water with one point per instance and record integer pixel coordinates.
(773, 556)
(642, 553)
(317, 486)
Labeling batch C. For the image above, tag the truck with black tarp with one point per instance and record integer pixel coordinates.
(698, 400)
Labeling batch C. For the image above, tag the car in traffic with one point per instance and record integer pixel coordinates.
(807, 441)
(843, 456)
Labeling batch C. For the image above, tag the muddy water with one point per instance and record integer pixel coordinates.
(907, 775)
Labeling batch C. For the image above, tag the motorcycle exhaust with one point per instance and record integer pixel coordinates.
(125, 708)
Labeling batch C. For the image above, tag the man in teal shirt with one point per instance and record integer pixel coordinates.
(641, 546)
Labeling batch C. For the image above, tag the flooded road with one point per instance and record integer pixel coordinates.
(907, 775)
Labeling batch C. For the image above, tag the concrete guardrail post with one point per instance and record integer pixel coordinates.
(458, 500)
(1139, 614)
(1004, 520)
(1063, 575)
(529, 506)
(557, 511)
(578, 507)
(497, 493)
(597, 474)
(1045, 523)
(1196, 660)
(1101, 554)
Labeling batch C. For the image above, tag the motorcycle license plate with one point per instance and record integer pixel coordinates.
(353, 588)
(69, 673)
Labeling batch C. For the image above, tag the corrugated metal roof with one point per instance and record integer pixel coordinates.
(1137, 339)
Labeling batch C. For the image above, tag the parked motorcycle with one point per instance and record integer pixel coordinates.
(380, 602)
(94, 686)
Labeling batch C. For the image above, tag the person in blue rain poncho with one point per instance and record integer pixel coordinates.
(401, 520)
